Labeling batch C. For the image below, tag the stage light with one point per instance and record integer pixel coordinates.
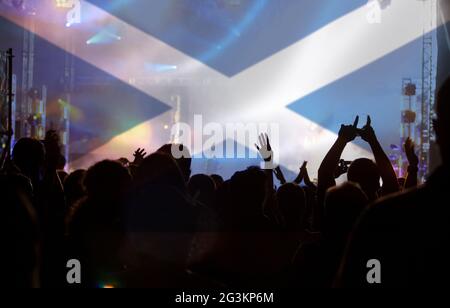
(105, 36)
(159, 67)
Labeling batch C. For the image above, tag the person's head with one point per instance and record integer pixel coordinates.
(218, 180)
(248, 189)
(29, 157)
(292, 204)
(202, 188)
(442, 123)
(181, 155)
(107, 181)
(365, 172)
(343, 205)
(160, 168)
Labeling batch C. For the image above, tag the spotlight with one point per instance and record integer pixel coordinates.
(160, 68)
(105, 36)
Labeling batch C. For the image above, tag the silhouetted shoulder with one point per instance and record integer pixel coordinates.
(407, 233)
(397, 209)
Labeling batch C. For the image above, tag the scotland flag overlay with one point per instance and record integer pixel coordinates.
(141, 66)
(229, 36)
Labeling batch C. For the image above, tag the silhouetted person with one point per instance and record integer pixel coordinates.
(38, 161)
(74, 187)
(20, 236)
(407, 233)
(202, 189)
(365, 172)
(362, 171)
(291, 200)
(181, 155)
(317, 263)
(413, 167)
(161, 222)
(62, 174)
(246, 252)
(96, 227)
(29, 157)
(292, 205)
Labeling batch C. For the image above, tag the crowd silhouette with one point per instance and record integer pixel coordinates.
(151, 223)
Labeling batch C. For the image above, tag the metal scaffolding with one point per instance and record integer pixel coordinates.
(7, 105)
(25, 109)
(419, 99)
(428, 87)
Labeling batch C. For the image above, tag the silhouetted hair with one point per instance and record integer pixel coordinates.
(29, 155)
(107, 180)
(218, 180)
(343, 205)
(160, 168)
(292, 204)
(365, 172)
(248, 188)
(183, 162)
(202, 188)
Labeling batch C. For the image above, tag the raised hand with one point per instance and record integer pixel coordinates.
(139, 156)
(279, 175)
(349, 132)
(301, 175)
(303, 167)
(367, 133)
(264, 148)
(409, 147)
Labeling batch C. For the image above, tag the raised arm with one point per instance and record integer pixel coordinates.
(265, 151)
(304, 176)
(390, 183)
(139, 156)
(301, 174)
(279, 175)
(413, 168)
(327, 169)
